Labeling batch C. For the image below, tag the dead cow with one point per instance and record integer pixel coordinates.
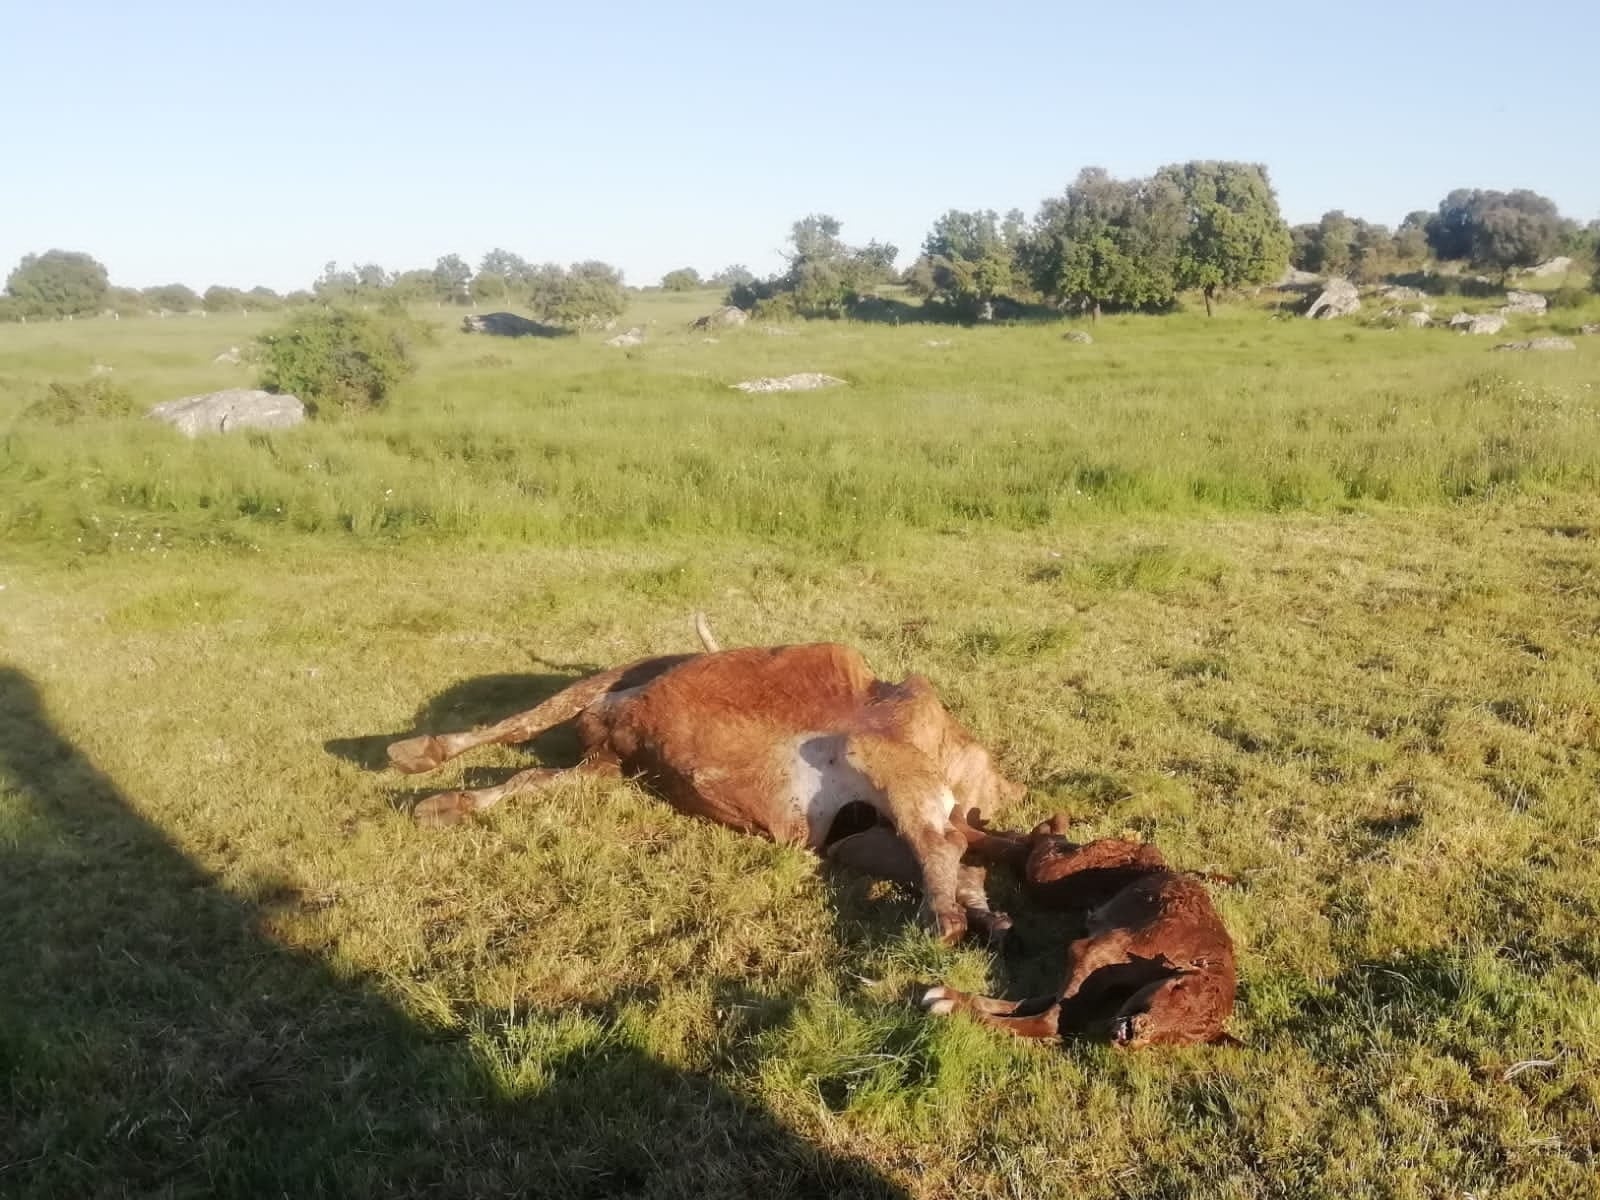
(779, 741)
(1156, 966)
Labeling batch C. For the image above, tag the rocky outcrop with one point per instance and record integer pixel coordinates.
(808, 381)
(228, 410)
(1338, 298)
(726, 317)
(1525, 302)
(1543, 343)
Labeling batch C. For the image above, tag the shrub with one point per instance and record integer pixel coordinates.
(91, 400)
(336, 358)
(1569, 297)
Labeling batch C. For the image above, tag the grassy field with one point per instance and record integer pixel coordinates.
(1316, 605)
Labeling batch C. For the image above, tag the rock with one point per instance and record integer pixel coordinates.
(1483, 323)
(1338, 299)
(808, 381)
(776, 331)
(710, 341)
(633, 337)
(726, 317)
(986, 311)
(1404, 294)
(504, 324)
(1078, 336)
(101, 369)
(1296, 280)
(1524, 302)
(936, 343)
(1420, 320)
(1558, 265)
(1589, 329)
(1543, 343)
(230, 357)
(225, 411)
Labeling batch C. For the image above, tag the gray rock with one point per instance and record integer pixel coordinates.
(1404, 294)
(1589, 330)
(1482, 323)
(1559, 265)
(1337, 299)
(1295, 280)
(229, 357)
(1524, 302)
(1420, 320)
(726, 317)
(808, 381)
(1078, 336)
(633, 337)
(1543, 343)
(225, 411)
(504, 324)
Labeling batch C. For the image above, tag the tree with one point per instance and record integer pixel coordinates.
(588, 293)
(58, 283)
(512, 268)
(223, 299)
(1235, 235)
(966, 261)
(732, 276)
(1411, 239)
(1108, 243)
(452, 279)
(173, 297)
(684, 279)
(264, 298)
(1496, 230)
(334, 284)
(825, 276)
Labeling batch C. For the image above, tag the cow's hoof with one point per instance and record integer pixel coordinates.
(951, 927)
(998, 932)
(415, 755)
(446, 808)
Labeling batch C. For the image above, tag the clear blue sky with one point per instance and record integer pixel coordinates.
(245, 143)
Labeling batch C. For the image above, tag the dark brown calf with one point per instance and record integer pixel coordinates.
(776, 741)
(1156, 966)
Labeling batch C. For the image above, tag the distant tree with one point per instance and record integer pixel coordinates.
(335, 284)
(1235, 235)
(223, 299)
(512, 268)
(11, 311)
(684, 279)
(58, 283)
(125, 301)
(825, 275)
(299, 297)
(490, 287)
(732, 276)
(1496, 230)
(1108, 243)
(967, 261)
(174, 297)
(452, 279)
(588, 293)
(264, 298)
(371, 278)
(413, 286)
(1411, 239)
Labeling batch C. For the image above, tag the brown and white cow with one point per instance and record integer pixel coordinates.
(796, 743)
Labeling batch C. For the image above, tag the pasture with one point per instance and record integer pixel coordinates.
(1315, 605)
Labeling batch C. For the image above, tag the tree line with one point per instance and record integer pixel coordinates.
(1209, 227)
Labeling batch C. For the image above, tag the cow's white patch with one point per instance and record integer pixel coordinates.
(821, 782)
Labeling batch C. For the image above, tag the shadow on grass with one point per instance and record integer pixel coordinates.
(155, 1040)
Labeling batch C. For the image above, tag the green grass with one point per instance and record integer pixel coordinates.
(233, 967)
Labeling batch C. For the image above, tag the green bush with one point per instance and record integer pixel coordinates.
(336, 358)
(1570, 297)
(91, 400)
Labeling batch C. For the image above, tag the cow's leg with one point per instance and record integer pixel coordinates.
(918, 803)
(449, 808)
(881, 853)
(1021, 1020)
(414, 755)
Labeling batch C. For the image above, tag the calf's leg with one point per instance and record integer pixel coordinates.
(1025, 1019)
(450, 808)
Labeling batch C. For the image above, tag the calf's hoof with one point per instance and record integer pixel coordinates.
(950, 927)
(939, 1001)
(415, 755)
(445, 808)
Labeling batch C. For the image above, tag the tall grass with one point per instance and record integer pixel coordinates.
(573, 442)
